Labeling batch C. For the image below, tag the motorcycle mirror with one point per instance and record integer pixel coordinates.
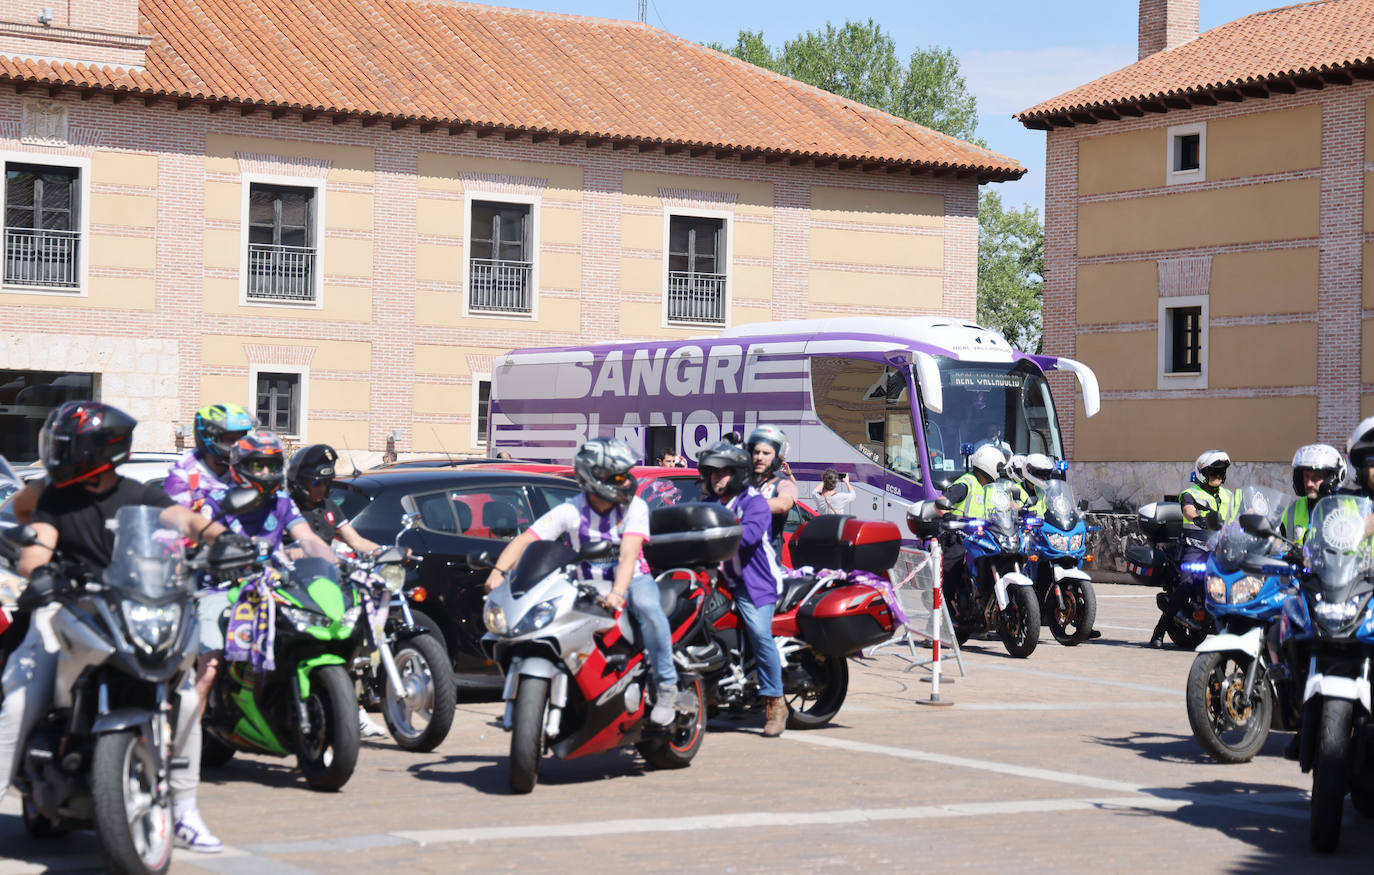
(242, 500)
(1083, 505)
(944, 504)
(923, 519)
(391, 554)
(1256, 524)
(594, 550)
(20, 536)
(411, 520)
(481, 560)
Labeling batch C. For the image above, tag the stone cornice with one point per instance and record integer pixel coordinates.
(53, 33)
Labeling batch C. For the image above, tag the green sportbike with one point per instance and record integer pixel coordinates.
(290, 693)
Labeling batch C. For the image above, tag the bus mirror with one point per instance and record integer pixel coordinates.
(1087, 381)
(928, 377)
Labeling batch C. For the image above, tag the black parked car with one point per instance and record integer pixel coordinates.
(461, 510)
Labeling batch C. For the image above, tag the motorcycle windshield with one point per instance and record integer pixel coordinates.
(999, 504)
(1233, 543)
(147, 556)
(1337, 553)
(1061, 509)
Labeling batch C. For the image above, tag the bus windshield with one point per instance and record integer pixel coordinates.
(1002, 403)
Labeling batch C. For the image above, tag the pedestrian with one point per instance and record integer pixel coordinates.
(828, 495)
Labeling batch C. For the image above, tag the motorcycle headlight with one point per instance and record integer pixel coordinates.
(537, 618)
(350, 617)
(1058, 542)
(1245, 589)
(301, 618)
(394, 576)
(1076, 542)
(1337, 613)
(495, 618)
(151, 626)
(1216, 589)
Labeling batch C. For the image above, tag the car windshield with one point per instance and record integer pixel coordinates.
(147, 556)
(1007, 404)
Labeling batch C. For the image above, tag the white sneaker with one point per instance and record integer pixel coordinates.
(193, 835)
(368, 728)
(665, 706)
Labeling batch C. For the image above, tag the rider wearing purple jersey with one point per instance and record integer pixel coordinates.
(203, 470)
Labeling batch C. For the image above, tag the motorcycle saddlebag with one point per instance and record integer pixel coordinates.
(1160, 520)
(843, 543)
(692, 535)
(1144, 561)
(845, 619)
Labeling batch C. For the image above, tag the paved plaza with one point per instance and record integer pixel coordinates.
(1077, 759)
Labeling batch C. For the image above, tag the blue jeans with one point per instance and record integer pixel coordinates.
(758, 627)
(647, 610)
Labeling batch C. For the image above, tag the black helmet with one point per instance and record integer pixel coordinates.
(256, 461)
(728, 457)
(315, 462)
(218, 426)
(82, 439)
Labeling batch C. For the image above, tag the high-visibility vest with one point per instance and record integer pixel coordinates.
(1225, 502)
(1293, 526)
(973, 503)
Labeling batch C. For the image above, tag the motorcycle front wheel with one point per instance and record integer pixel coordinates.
(1185, 637)
(527, 734)
(1074, 623)
(1330, 775)
(1229, 728)
(819, 698)
(420, 719)
(1018, 625)
(135, 830)
(676, 750)
(329, 752)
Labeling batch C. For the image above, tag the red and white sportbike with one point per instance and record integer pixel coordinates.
(577, 679)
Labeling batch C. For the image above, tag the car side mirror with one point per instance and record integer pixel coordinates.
(957, 493)
(481, 560)
(595, 550)
(1256, 524)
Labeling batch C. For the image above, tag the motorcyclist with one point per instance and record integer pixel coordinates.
(754, 574)
(80, 445)
(966, 498)
(205, 468)
(609, 510)
(1038, 470)
(767, 446)
(1359, 450)
(1318, 471)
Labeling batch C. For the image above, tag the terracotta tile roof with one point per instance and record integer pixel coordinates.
(1266, 48)
(458, 63)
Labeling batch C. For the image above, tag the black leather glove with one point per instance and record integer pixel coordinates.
(45, 582)
(1214, 521)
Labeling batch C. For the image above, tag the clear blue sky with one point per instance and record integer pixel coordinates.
(1013, 53)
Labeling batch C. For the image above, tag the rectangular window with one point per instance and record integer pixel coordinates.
(26, 399)
(279, 402)
(1187, 154)
(696, 270)
(281, 243)
(42, 227)
(866, 404)
(481, 409)
(1185, 341)
(501, 261)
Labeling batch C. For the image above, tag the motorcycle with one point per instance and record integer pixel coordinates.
(403, 668)
(576, 676)
(994, 594)
(294, 695)
(102, 757)
(1330, 623)
(1068, 602)
(1160, 563)
(818, 621)
(1237, 689)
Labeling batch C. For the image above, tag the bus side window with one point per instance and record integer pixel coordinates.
(866, 404)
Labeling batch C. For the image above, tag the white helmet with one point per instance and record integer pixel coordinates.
(1212, 460)
(1361, 444)
(1319, 457)
(1040, 470)
(989, 460)
(1016, 467)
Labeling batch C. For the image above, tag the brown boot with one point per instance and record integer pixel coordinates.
(774, 716)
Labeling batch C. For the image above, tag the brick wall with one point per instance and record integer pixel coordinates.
(1165, 24)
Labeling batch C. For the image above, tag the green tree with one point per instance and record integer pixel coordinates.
(1011, 270)
(933, 93)
(857, 61)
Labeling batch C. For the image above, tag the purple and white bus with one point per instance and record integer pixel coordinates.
(890, 401)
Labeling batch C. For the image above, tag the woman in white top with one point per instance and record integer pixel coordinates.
(829, 499)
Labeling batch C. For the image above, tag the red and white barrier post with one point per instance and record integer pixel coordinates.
(936, 616)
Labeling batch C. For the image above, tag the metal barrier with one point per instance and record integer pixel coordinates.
(913, 577)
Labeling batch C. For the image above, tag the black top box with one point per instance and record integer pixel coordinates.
(692, 535)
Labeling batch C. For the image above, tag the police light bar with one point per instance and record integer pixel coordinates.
(966, 449)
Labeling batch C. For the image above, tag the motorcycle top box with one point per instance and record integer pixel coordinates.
(841, 621)
(843, 542)
(692, 535)
(1161, 520)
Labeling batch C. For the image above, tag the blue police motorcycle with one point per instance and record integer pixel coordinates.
(1000, 598)
(1237, 688)
(1068, 603)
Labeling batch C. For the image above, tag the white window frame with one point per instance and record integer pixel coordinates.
(302, 415)
(1179, 177)
(729, 226)
(247, 181)
(1169, 379)
(478, 441)
(83, 254)
(534, 201)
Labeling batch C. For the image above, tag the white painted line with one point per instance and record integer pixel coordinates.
(1062, 706)
(1123, 628)
(1146, 595)
(1081, 679)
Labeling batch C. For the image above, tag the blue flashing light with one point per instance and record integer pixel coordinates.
(1194, 567)
(1061, 465)
(966, 449)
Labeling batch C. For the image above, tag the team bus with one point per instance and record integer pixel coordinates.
(896, 403)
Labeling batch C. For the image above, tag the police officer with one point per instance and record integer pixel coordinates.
(966, 496)
(1318, 471)
(1038, 470)
(1206, 502)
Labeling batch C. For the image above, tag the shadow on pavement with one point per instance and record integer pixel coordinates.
(268, 773)
(77, 852)
(489, 775)
(1172, 748)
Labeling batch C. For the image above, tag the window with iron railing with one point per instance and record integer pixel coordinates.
(501, 261)
(696, 270)
(42, 234)
(281, 244)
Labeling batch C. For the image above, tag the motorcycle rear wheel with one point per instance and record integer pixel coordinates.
(421, 721)
(1330, 774)
(1018, 625)
(829, 676)
(1072, 626)
(135, 831)
(677, 749)
(329, 755)
(527, 734)
(1215, 683)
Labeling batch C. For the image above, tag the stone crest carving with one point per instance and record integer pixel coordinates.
(44, 123)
